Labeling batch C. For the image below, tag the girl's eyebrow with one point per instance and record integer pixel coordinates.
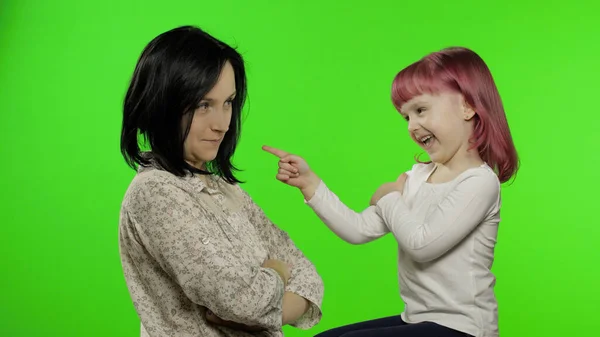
(412, 105)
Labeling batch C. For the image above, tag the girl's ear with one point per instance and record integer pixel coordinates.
(468, 111)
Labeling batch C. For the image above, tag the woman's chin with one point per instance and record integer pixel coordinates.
(208, 159)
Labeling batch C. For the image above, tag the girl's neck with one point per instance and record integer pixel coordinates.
(445, 172)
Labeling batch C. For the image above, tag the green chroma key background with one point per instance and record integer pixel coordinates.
(319, 86)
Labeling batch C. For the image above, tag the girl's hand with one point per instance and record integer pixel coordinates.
(294, 171)
(383, 190)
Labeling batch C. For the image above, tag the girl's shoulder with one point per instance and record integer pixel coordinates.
(420, 169)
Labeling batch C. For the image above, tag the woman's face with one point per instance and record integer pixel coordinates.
(211, 121)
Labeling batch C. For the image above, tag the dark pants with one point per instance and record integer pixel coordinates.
(392, 326)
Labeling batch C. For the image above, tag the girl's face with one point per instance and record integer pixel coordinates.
(211, 121)
(439, 123)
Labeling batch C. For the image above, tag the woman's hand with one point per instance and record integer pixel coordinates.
(284, 271)
(383, 190)
(282, 268)
(294, 171)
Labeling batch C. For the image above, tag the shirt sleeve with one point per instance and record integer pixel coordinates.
(448, 222)
(305, 280)
(176, 230)
(350, 226)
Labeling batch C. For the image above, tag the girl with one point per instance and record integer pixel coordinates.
(444, 213)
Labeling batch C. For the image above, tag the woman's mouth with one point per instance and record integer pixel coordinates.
(214, 141)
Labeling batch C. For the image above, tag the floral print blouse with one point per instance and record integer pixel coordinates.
(189, 245)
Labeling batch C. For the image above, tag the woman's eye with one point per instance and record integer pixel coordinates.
(420, 110)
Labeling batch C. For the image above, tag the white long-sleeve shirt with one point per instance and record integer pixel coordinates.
(446, 235)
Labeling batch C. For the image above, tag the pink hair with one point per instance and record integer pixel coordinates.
(462, 70)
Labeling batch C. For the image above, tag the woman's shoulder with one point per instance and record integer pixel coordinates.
(151, 177)
(151, 182)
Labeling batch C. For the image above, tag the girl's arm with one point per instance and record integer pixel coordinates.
(352, 227)
(447, 223)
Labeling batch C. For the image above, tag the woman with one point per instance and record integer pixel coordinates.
(199, 257)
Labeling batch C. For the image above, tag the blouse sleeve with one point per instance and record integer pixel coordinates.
(305, 280)
(175, 230)
(448, 222)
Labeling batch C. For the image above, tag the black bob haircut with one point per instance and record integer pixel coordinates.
(174, 72)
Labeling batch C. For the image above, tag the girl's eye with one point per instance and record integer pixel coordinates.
(229, 102)
(203, 106)
(420, 110)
